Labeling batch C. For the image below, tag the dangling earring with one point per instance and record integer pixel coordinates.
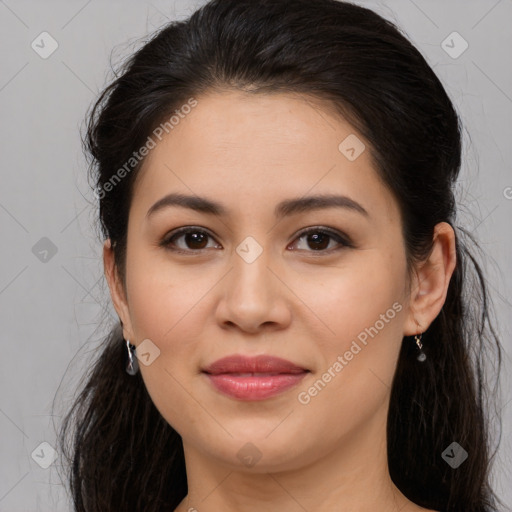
(132, 365)
(421, 355)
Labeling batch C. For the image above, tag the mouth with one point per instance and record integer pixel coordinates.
(253, 378)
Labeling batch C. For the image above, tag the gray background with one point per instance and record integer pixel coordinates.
(54, 308)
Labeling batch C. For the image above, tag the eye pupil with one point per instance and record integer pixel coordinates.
(320, 240)
(196, 240)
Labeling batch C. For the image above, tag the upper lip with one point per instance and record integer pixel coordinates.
(238, 363)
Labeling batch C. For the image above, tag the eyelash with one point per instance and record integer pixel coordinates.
(341, 239)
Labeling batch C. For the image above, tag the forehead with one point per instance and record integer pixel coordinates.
(256, 149)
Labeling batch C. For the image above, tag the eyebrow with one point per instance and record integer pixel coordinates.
(283, 209)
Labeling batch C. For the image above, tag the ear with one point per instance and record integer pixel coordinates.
(430, 284)
(117, 292)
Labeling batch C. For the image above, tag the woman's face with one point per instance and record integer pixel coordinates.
(249, 281)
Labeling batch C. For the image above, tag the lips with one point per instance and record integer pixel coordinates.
(239, 364)
(253, 378)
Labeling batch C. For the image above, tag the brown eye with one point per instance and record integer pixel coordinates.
(322, 240)
(188, 239)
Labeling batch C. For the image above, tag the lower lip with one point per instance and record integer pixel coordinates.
(254, 387)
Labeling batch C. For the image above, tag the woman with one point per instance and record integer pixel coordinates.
(298, 328)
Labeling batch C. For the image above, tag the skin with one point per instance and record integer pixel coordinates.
(249, 152)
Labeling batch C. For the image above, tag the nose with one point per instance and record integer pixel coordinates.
(253, 297)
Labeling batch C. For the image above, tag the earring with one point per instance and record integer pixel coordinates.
(132, 365)
(421, 355)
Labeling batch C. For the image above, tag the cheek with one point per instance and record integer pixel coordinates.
(362, 307)
(350, 300)
(163, 297)
(169, 308)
